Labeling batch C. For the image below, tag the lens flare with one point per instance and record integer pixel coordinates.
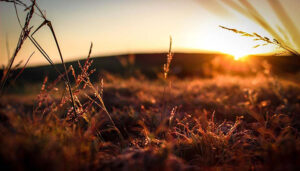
(239, 55)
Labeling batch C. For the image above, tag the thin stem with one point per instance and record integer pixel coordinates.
(65, 68)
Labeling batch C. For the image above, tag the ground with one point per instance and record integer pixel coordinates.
(225, 122)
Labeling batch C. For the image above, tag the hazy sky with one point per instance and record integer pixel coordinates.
(132, 26)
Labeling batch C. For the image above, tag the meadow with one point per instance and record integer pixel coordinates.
(225, 122)
(222, 114)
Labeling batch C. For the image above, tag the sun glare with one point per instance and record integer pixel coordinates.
(238, 57)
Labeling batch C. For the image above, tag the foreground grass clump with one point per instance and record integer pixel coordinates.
(221, 123)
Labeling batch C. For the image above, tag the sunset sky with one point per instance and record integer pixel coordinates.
(133, 26)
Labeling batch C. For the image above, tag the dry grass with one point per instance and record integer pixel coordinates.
(281, 34)
(226, 122)
(263, 41)
(26, 29)
(26, 33)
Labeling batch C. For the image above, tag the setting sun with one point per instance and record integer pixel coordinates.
(238, 56)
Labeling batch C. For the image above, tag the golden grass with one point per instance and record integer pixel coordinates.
(289, 29)
(227, 122)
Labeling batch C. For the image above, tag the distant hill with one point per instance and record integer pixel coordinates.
(183, 64)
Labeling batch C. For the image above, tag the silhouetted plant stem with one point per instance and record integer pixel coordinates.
(23, 36)
(166, 71)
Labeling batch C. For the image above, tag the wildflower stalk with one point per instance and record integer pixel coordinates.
(166, 71)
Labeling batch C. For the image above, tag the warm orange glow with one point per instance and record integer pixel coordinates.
(140, 28)
(239, 56)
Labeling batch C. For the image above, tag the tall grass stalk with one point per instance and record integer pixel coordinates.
(23, 36)
(281, 34)
(265, 40)
(85, 78)
(25, 33)
(166, 70)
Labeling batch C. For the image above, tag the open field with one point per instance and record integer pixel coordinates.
(226, 122)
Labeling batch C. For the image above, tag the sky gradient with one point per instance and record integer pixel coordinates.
(138, 26)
